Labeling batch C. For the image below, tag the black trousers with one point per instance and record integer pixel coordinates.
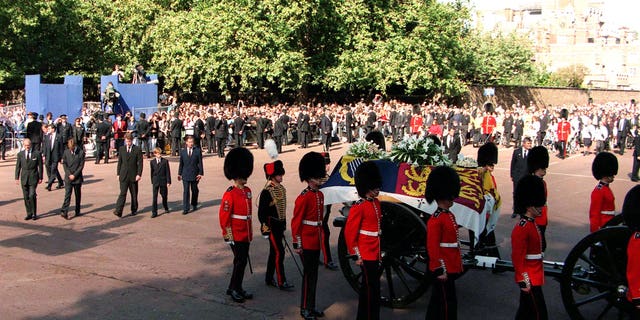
(238, 139)
(622, 141)
(310, 260)
(532, 305)
(175, 146)
(543, 229)
(144, 146)
(562, 149)
(636, 166)
(30, 199)
(488, 241)
(211, 143)
(349, 134)
(369, 300)
(541, 135)
(221, 145)
(260, 139)
(189, 194)
(278, 141)
(304, 139)
(275, 262)
(240, 258)
(132, 187)
(443, 303)
(326, 248)
(76, 188)
(3, 149)
(163, 192)
(102, 150)
(327, 141)
(53, 173)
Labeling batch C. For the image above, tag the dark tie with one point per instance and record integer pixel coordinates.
(525, 154)
(189, 153)
(158, 161)
(128, 149)
(28, 155)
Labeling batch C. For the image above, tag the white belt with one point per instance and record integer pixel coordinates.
(534, 256)
(370, 233)
(610, 213)
(240, 217)
(312, 223)
(448, 244)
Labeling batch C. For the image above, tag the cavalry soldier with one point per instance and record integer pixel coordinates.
(306, 229)
(362, 234)
(445, 262)
(235, 217)
(487, 159)
(273, 218)
(602, 209)
(537, 164)
(526, 246)
(564, 130)
(632, 220)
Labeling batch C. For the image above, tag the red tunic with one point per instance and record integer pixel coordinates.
(443, 243)
(416, 124)
(564, 129)
(488, 124)
(235, 215)
(602, 208)
(119, 129)
(633, 268)
(543, 219)
(526, 252)
(362, 230)
(306, 224)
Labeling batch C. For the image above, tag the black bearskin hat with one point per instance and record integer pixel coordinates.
(238, 164)
(538, 158)
(327, 157)
(312, 166)
(443, 183)
(631, 209)
(367, 178)
(605, 164)
(487, 154)
(529, 193)
(273, 169)
(488, 107)
(564, 114)
(377, 138)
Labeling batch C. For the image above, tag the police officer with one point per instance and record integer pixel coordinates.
(603, 205)
(631, 215)
(362, 234)
(526, 246)
(306, 229)
(235, 217)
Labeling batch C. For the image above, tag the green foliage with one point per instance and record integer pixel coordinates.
(570, 76)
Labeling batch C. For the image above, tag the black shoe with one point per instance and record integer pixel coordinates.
(64, 215)
(118, 214)
(635, 179)
(60, 186)
(317, 313)
(153, 215)
(166, 210)
(271, 283)
(35, 217)
(195, 208)
(246, 295)
(48, 188)
(185, 212)
(285, 286)
(27, 218)
(134, 213)
(307, 314)
(331, 266)
(78, 214)
(235, 296)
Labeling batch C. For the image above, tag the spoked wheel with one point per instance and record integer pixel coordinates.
(404, 260)
(593, 283)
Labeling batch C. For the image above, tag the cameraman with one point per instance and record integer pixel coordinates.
(139, 76)
(111, 97)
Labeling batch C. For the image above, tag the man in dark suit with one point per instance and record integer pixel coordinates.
(238, 129)
(519, 163)
(144, 133)
(63, 128)
(636, 156)
(190, 171)
(176, 134)
(103, 135)
(452, 145)
(129, 173)
(53, 150)
(623, 124)
(29, 175)
(349, 125)
(222, 133)
(371, 121)
(73, 164)
(326, 128)
(198, 131)
(77, 132)
(280, 130)
(210, 125)
(160, 181)
(519, 130)
(507, 123)
(34, 131)
(4, 134)
(305, 129)
(544, 125)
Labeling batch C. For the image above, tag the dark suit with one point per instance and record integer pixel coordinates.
(144, 132)
(176, 135)
(280, 131)
(518, 166)
(210, 125)
(65, 130)
(129, 166)
(326, 127)
(349, 125)
(371, 122)
(636, 154)
(190, 167)
(623, 126)
(238, 131)
(103, 135)
(508, 128)
(305, 129)
(198, 132)
(160, 178)
(452, 146)
(3, 136)
(53, 151)
(77, 133)
(222, 132)
(519, 130)
(73, 164)
(34, 133)
(29, 171)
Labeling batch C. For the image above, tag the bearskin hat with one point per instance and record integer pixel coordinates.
(367, 178)
(529, 193)
(488, 107)
(631, 209)
(312, 166)
(238, 164)
(605, 164)
(443, 183)
(564, 114)
(377, 138)
(273, 169)
(487, 154)
(327, 157)
(538, 158)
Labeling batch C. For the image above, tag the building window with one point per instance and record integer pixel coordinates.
(589, 40)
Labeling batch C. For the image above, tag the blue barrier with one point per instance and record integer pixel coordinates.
(55, 98)
(132, 96)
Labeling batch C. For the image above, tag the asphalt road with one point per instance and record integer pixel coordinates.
(177, 267)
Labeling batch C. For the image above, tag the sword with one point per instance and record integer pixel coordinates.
(292, 255)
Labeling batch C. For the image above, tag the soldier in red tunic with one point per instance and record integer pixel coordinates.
(564, 130)
(443, 245)
(602, 209)
(631, 215)
(537, 164)
(488, 123)
(362, 234)
(235, 217)
(526, 246)
(306, 229)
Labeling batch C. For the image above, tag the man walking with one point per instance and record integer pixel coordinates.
(73, 164)
(103, 135)
(29, 175)
(53, 150)
(160, 181)
(129, 172)
(190, 171)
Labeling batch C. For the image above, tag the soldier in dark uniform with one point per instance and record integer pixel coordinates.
(273, 219)
(103, 135)
(526, 246)
(443, 243)
(631, 215)
(222, 132)
(28, 176)
(73, 164)
(210, 125)
(362, 234)
(306, 229)
(235, 217)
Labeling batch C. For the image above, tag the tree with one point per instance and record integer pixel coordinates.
(569, 76)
